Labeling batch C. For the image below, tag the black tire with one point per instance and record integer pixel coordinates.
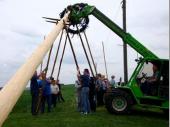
(166, 112)
(118, 102)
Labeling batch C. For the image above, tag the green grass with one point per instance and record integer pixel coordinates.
(65, 115)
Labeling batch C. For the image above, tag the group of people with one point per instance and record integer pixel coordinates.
(90, 91)
(102, 84)
(44, 90)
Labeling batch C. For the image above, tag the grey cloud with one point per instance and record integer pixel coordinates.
(26, 32)
(7, 69)
(68, 59)
(150, 21)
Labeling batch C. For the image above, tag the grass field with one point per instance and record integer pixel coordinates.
(65, 115)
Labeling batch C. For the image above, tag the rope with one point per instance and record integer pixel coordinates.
(85, 51)
(61, 58)
(90, 53)
(56, 54)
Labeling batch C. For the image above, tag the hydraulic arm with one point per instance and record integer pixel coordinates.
(79, 15)
(127, 38)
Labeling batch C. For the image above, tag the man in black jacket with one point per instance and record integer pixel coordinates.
(92, 93)
(34, 93)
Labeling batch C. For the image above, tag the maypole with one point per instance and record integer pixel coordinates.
(16, 85)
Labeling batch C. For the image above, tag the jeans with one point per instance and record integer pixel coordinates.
(44, 99)
(78, 100)
(85, 99)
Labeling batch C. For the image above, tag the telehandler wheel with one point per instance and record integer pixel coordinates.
(118, 102)
(166, 112)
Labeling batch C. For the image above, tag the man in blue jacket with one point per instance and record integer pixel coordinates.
(46, 93)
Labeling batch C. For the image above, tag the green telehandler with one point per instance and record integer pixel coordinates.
(119, 100)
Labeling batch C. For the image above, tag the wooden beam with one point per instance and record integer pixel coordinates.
(16, 85)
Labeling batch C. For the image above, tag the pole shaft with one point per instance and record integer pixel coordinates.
(56, 54)
(105, 60)
(41, 66)
(85, 52)
(72, 49)
(48, 61)
(16, 85)
(61, 60)
(90, 53)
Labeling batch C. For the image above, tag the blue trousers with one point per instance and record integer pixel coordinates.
(46, 98)
(85, 99)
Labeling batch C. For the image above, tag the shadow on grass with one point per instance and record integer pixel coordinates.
(150, 114)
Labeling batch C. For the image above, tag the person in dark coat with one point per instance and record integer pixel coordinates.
(92, 93)
(34, 88)
(99, 90)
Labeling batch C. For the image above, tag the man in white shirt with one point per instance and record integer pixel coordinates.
(54, 92)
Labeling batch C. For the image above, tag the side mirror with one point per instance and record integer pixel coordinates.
(138, 60)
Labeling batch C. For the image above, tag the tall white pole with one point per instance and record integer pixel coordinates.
(16, 85)
(105, 60)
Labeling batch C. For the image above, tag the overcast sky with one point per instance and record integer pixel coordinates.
(22, 29)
